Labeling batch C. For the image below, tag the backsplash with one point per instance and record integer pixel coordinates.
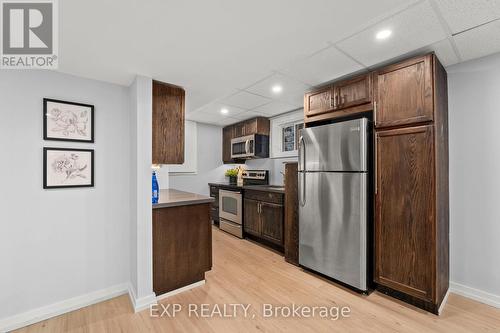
(275, 166)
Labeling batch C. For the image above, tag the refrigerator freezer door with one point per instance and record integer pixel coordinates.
(333, 225)
(335, 147)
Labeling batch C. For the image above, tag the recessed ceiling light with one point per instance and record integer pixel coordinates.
(224, 111)
(383, 34)
(277, 89)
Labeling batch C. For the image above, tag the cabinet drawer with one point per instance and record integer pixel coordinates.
(272, 197)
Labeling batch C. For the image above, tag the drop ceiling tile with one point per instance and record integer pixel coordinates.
(465, 14)
(208, 118)
(249, 114)
(245, 100)
(275, 108)
(479, 42)
(444, 51)
(323, 66)
(411, 29)
(215, 108)
(291, 87)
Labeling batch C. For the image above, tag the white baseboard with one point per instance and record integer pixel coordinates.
(180, 290)
(475, 294)
(443, 303)
(56, 309)
(139, 304)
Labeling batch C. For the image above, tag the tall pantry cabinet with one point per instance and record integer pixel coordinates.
(411, 181)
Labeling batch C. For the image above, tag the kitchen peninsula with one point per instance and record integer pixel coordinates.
(182, 240)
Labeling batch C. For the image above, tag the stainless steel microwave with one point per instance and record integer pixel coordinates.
(250, 146)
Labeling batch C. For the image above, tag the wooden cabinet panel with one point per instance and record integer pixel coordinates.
(405, 194)
(291, 227)
(271, 216)
(353, 92)
(404, 93)
(271, 197)
(259, 125)
(182, 246)
(227, 135)
(168, 124)
(343, 98)
(251, 221)
(318, 102)
(239, 130)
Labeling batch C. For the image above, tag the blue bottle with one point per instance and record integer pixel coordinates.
(156, 189)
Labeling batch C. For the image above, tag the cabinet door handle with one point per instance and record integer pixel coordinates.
(332, 102)
(375, 112)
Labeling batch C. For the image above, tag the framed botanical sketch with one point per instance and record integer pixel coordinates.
(67, 121)
(66, 167)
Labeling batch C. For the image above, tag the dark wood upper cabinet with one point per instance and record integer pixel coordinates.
(239, 130)
(340, 99)
(272, 222)
(227, 135)
(168, 123)
(404, 93)
(405, 209)
(258, 125)
(251, 217)
(353, 92)
(319, 101)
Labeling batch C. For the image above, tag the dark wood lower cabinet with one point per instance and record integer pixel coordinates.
(251, 217)
(264, 219)
(182, 246)
(271, 222)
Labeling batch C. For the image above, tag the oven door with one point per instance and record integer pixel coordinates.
(230, 206)
(243, 147)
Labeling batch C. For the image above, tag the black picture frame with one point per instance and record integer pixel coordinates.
(45, 170)
(45, 134)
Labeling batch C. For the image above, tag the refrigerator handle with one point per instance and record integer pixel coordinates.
(302, 154)
(302, 175)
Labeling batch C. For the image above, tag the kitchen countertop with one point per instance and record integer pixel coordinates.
(267, 188)
(174, 198)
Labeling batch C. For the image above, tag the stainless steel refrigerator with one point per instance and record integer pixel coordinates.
(333, 184)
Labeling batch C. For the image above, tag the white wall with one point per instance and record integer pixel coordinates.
(209, 162)
(275, 166)
(61, 243)
(141, 216)
(474, 118)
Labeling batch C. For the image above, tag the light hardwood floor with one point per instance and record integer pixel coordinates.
(244, 272)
